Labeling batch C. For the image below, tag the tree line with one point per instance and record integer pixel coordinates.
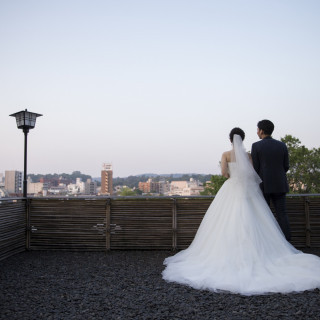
(60, 176)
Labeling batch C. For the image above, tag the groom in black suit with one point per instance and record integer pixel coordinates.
(271, 162)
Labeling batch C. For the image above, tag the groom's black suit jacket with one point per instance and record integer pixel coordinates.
(271, 162)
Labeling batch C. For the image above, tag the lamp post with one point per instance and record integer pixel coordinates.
(26, 120)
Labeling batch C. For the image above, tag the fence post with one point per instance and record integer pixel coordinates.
(174, 225)
(108, 228)
(308, 227)
(28, 227)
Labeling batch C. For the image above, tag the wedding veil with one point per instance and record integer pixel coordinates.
(243, 166)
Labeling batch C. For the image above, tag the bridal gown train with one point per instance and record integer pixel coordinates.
(239, 247)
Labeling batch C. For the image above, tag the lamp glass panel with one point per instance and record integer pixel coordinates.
(20, 119)
(30, 119)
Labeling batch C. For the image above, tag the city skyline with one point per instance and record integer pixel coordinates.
(154, 86)
(81, 185)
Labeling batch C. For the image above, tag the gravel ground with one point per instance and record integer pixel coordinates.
(127, 285)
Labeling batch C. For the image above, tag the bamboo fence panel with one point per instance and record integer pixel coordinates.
(297, 220)
(12, 227)
(314, 209)
(144, 223)
(190, 213)
(68, 224)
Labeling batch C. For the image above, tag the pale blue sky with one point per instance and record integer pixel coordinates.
(154, 86)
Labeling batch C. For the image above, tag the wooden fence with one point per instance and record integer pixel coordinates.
(99, 223)
(12, 226)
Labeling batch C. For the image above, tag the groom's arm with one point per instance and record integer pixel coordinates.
(255, 158)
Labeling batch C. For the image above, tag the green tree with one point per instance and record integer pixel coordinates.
(126, 192)
(214, 186)
(304, 172)
(138, 192)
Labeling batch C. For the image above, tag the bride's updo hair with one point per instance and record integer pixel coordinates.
(237, 131)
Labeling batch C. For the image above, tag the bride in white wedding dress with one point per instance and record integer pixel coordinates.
(239, 246)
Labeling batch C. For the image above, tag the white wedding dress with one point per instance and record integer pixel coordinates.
(239, 247)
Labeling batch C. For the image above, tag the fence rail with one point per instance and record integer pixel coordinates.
(101, 223)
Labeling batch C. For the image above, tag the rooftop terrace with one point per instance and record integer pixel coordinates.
(127, 285)
(102, 258)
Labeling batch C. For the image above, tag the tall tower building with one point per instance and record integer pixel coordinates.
(13, 181)
(106, 179)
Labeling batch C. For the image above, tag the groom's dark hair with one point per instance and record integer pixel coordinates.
(267, 126)
(237, 131)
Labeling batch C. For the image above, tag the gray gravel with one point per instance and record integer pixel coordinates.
(126, 285)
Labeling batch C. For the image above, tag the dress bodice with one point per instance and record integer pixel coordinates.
(232, 169)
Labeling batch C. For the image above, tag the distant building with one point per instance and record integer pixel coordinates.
(73, 188)
(34, 187)
(45, 189)
(186, 188)
(148, 186)
(81, 185)
(177, 188)
(3, 192)
(13, 182)
(106, 179)
(90, 187)
(144, 187)
(164, 187)
(76, 188)
(61, 189)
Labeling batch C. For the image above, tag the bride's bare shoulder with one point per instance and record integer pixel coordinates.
(227, 155)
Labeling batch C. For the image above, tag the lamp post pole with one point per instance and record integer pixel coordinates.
(25, 182)
(26, 120)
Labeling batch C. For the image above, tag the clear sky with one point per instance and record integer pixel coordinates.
(154, 86)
